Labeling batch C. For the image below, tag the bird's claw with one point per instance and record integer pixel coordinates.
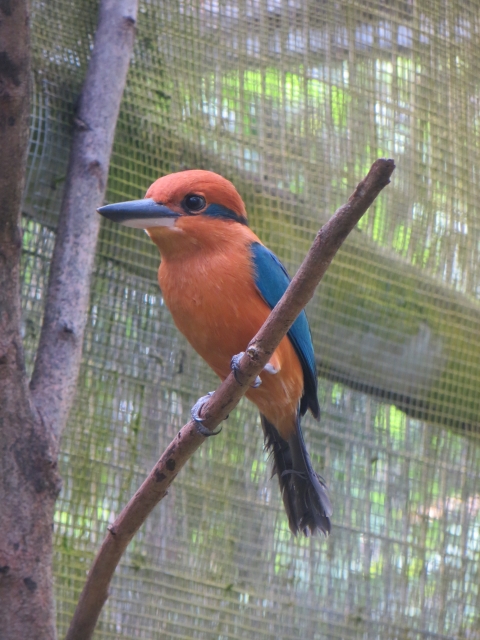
(235, 364)
(270, 368)
(195, 413)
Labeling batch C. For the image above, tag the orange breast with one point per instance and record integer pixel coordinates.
(212, 297)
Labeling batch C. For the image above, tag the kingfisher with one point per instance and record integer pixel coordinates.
(220, 283)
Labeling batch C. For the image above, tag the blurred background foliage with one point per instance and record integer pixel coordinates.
(292, 100)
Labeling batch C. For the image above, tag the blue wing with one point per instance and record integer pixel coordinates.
(272, 280)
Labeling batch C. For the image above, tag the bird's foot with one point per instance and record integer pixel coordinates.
(195, 413)
(235, 363)
(270, 368)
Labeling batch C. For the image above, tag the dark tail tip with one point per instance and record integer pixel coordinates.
(317, 505)
(304, 492)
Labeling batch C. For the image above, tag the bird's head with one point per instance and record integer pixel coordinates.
(191, 202)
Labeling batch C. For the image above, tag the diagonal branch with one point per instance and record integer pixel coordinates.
(61, 341)
(187, 441)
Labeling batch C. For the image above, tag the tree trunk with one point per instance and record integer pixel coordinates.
(30, 482)
(32, 419)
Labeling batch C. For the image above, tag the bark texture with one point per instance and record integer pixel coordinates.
(29, 481)
(32, 419)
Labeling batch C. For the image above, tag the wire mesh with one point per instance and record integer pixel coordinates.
(292, 100)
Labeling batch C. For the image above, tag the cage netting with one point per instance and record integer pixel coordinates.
(292, 100)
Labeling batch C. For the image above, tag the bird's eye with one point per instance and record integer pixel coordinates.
(194, 202)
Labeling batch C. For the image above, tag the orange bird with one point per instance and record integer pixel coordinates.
(220, 283)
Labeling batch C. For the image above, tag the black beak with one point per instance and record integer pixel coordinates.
(140, 214)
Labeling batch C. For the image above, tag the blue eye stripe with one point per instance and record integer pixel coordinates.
(219, 211)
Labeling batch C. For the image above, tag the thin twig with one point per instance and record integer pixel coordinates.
(187, 441)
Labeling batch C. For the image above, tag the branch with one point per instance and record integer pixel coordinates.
(187, 441)
(59, 353)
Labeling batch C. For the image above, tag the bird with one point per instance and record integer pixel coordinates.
(220, 283)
